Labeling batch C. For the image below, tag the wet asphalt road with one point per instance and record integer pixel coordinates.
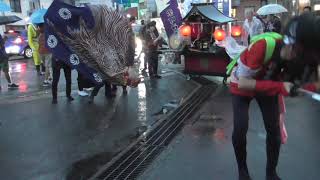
(204, 151)
(41, 141)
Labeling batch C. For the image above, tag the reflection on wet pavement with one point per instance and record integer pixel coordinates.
(18, 67)
(142, 106)
(72, 140)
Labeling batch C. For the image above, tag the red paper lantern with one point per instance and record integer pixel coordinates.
(236, 31)
(185, 30)
(219, 34)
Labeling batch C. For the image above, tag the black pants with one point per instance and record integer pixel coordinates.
(97, 88)
(83, 82)
(152, 63)
(270, 112)
(56, 67)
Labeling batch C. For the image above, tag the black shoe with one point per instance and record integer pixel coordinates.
(54, 101)
(46, 84)
(91, 99)
(244, 175)
(273, 177)
(157, 76)
(70, 98)
(11, 86)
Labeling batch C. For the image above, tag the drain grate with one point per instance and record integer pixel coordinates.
(136, 158)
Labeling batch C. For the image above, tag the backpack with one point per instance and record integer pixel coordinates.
(270, 38)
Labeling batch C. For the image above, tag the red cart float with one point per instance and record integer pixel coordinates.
(205, 25)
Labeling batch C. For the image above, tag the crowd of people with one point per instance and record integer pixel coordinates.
(49, 67)
(255, 24)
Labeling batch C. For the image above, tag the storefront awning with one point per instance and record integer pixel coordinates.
(209, 12)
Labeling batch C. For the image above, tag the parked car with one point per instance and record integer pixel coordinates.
(17, 43)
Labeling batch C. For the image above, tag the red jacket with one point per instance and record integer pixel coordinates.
(251, 65)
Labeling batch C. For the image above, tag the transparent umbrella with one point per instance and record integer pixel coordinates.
(271, 9)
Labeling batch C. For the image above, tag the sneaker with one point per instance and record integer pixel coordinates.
(45, 83)
(88, 89)
(83, 93)
(13, 85)
(41, 73)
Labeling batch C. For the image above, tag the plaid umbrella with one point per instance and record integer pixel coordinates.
(95, 40)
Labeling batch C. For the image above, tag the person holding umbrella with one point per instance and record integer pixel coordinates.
(252, 26)
(33, 38)
(257, 77)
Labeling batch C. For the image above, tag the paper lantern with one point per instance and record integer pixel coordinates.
(236, 31)
(185, 30)
(219, 34)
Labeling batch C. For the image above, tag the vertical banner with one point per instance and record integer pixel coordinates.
(226, 7)
(171, 18)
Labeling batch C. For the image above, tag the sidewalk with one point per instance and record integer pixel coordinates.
(41, 141)
(203, 150)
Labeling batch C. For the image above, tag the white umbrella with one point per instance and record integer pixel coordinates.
(271, 9)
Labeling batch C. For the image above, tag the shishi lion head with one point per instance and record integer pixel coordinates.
(108, 47)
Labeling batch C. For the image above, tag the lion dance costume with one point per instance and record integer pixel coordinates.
(95, 40)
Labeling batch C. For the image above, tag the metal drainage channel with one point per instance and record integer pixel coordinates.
(133, 161)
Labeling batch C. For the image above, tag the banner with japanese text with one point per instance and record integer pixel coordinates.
(171, 18)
